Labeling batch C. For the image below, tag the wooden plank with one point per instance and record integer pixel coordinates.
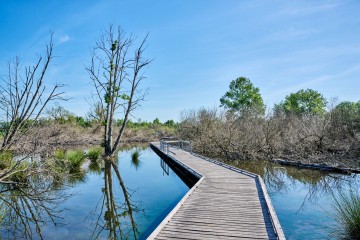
(228, 204)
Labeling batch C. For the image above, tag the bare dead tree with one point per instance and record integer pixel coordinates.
(116, 75)
(96, 112)
(24, 97)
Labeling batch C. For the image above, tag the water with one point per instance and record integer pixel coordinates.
(303, 198)
(94, 206)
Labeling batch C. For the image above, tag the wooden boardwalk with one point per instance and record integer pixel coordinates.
(224, 204)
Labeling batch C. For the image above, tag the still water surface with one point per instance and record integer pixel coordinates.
(96, 206)
(302, 198)
(101, 204)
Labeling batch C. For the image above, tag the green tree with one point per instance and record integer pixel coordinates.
(170, 123)
(348, 114)
(304, 101)
(243, 97)
(156, 121)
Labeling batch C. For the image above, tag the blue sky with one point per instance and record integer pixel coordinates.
(198, 47)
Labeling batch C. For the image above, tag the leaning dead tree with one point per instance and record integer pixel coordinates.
(23, 98)
(116, 71)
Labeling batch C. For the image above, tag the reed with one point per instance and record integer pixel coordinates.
(346, 213)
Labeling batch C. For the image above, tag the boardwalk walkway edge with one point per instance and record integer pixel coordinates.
(274, 219)
(259, 183)
(181, 202)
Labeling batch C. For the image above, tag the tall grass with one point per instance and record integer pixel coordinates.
(75, 159)
(346, 213)
(94, 153)
(135, 161)
(59, 154)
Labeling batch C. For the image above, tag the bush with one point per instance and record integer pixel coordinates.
(80, 121)
(94, 153)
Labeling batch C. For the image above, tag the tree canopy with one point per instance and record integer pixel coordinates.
(348, 113)
(243, 97)
(304, 101)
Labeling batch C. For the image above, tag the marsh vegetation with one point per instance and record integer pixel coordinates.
(304, 127)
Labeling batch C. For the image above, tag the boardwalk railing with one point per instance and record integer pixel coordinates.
(186, 146)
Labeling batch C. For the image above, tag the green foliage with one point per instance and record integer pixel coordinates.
(94, 153)
(143, 124)
(21, 174)
(59, 154)
(4, 126)
(135, 155)
(156, 121)
(243, 97)
(114, 45)
(124, 97)
(75, 159)
(348, 113)
(80, 121)
(6, 158)
(107, 98)
(135, 161)
(61, 164)
(304, 101)
(170, 123)
(347, 216)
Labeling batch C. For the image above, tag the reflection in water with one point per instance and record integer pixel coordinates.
(280, 179)
(92, 203)
(165, 167)
(135, 159)
(114, 217)
(26, 209)
(302, 197)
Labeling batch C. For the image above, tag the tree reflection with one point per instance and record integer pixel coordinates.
(26, 208)
(112, 215)
(280, 179)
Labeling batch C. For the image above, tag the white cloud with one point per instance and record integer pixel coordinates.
(64, 39)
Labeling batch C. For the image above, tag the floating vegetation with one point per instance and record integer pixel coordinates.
(346, 215)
